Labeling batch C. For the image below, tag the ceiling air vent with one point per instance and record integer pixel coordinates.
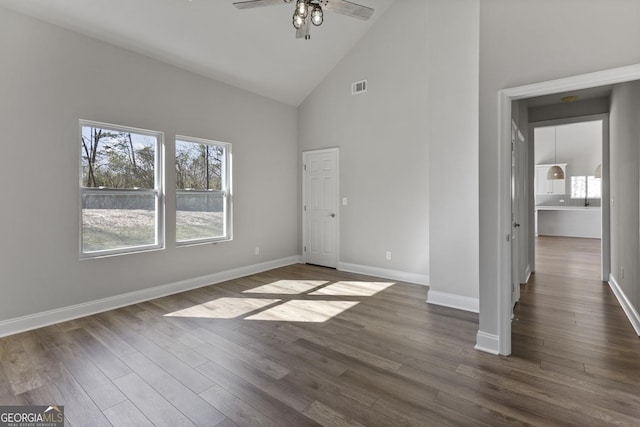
(358, 87)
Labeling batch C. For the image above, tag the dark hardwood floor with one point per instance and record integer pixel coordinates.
(307, 346)
(569, 324)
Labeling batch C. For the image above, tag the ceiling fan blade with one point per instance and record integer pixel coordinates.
(347, 8)
(250, 4)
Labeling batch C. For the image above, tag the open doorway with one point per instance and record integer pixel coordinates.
(622, 78)
(568, 187)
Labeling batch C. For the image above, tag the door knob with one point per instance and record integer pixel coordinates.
(332, 215)
(516, 225)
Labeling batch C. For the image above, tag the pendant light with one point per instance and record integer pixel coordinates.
(555, 171)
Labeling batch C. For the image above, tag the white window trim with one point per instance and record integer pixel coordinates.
(158, 192)
(226, 192)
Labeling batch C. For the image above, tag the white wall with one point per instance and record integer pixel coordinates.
(624, 178)
(523, 42)
(49, 79)
(453, 30)
(382, 137)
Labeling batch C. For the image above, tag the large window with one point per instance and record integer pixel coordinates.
(586, 187)
(120, 188)
(203, 190)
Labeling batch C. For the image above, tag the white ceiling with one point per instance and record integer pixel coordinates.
(253, 49)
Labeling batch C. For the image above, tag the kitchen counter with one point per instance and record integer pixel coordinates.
(570, 221)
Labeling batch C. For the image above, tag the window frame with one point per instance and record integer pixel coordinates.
(226, 192)
(157, 192)
(587, 178)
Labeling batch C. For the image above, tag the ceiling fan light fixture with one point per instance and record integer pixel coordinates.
(309, 12)
(302, 8)
(298, 21)
(317, 16)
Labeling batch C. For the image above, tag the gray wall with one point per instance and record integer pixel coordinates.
(49, 79)
(382, 137)
(523, 42)
(625, 162)
(453, 143)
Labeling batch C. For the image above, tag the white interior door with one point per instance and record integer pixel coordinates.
(320, 207)
(515, 213)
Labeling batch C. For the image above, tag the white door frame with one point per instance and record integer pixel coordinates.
(304, 198)
(506, 96)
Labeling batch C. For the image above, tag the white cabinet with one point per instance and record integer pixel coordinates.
(550, 186)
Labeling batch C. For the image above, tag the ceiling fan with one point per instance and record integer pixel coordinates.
(312, 11)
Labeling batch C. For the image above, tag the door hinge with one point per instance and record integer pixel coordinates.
(305, 249)
(305, 208)
(305, 166)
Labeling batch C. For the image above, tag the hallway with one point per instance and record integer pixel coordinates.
(570, 324)
(569, 257)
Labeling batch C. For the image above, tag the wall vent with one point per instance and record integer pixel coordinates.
(358, 87)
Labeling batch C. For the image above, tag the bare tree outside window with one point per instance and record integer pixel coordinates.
(112, 159)
(199, 166)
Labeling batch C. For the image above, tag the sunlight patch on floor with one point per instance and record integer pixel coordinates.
(357, 289)
(224, 308)
(304, 311)
(288, 287)
(287, 307)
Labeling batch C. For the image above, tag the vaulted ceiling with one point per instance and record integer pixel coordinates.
(252, 49)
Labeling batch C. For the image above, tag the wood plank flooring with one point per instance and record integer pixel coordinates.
(570, 325)
(309, 346)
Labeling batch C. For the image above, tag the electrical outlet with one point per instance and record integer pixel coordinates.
(388, 255)
(257, 250)
(344, 201)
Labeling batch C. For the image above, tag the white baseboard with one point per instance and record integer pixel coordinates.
(625, 303)
(488, 343)
(50, 317)
(401, 276)
(453, 301)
